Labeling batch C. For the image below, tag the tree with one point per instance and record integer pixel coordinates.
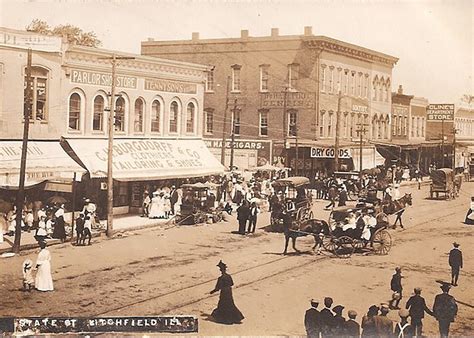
(467, 98)
(73, 34)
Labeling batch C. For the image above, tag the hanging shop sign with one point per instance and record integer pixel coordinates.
(323, 152)
(289, 100)
(440, 112)
(170, 86)
(102, 79)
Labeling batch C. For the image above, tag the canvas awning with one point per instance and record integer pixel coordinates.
(45, 160)
(146, 159)
(371, 158)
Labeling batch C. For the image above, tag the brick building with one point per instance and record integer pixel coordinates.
(283, 94)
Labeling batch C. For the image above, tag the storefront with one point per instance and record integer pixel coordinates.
(139, 164)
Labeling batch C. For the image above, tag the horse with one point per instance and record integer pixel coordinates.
(397, 207)
(293, 229)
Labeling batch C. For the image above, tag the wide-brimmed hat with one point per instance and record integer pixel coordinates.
(338, 309)
(221, 265)
(445, 286)
(456, 244)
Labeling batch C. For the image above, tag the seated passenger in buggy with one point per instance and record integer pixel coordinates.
(369, 226)
(349, 227)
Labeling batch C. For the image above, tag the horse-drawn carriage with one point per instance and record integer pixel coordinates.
(442, 182)
(197, 205)
(291, 197)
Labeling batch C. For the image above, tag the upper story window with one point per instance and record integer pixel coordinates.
(138, 122)
(190, 116)
(210, 81)
(353, 85)
(120, 114)
(346, 81)
(366, 85)
(209, 121)
(264, 77)
(331, 79)
(39, 89)
(359, 85)
(236, 121)
(323, 78)
(293, 75)
(263, 123)
(75, 112)
(98, 118)
(375, 85)
(155, 116)
(387, 90)
(292, 122)
(174, 111)
(236, 78)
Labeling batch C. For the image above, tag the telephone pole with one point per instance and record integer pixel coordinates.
(27, 112)
(442, 143)
(454, 148)
(232, 136)
(224, 123)
(361, 131)
(110, 178)
(336, 139)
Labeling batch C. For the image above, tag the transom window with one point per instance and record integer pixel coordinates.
(75, 112)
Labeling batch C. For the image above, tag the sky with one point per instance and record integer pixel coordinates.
(432, 38)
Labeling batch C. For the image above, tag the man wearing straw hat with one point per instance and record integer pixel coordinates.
(455, 262)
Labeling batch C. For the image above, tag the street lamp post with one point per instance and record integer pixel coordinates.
(336, 139)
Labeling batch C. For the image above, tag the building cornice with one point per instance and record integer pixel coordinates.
(346, 49)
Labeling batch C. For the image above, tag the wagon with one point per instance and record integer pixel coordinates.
(196, 206)
(296, 198)
(344, 243)
(442, 182)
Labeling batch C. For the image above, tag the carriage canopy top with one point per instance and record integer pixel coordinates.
(295, 181)
(442, 175)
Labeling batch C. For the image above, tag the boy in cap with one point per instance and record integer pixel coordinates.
(455, 262)
(403, 329)
(396, 287)
(312, 320)
(417, 308)
(445, 310)
(352, 328)
(383, 324)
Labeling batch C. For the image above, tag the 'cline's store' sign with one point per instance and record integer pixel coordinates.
(102, 79)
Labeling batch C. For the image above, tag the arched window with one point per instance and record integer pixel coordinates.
(120, 114)
(138, 123)
(155, 116)
(75, 112)
(98, 117)
(190, 118)
(174, 111)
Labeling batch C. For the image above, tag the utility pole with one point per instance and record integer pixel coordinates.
(232, 136)
(336, 139)
(224, 123)
(454, 147)
(296, 149)
(442, 143)
(361, 131)
(284, 126)
(27, 114)
(110, 178)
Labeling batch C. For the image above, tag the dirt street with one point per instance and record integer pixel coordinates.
(165, 272)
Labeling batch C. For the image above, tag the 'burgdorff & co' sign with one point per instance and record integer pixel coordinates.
(293, 100)
(102, 79)
(440, 112)
(170, 86)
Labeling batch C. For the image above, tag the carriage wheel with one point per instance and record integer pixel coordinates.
(352, 195)
(178, 219)
(344, 247)
(381, 242)
(329, 244)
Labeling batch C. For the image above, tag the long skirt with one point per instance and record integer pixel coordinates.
(59, 231)
(44, 280)
(226, 311)
(469, 217)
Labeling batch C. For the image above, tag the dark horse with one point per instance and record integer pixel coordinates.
(397, 207)
(293, 229)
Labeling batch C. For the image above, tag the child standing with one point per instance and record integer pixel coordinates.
(28, 280)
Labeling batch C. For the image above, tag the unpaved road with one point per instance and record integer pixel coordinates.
(162, 272)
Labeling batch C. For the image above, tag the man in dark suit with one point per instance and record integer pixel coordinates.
(173, 198)
(254, 211)
(312, 320)
(339, 321)
(445, 310)
(455, 262)
(352, 328)
(243, 213)
(417, 308)
(327, 318)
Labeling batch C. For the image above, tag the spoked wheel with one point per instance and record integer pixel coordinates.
(382, 242)
(344, 247)
(329, 244)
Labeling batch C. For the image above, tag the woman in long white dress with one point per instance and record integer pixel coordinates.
(153, 213)
(161, 205)
(43, 280)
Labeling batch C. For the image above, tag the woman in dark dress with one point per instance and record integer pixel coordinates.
(226, 311)
(59, 230)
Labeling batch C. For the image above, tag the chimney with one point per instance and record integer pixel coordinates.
(308, 30)
(244, 33)
(195, 36)
(400, 90)
(274, 32)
